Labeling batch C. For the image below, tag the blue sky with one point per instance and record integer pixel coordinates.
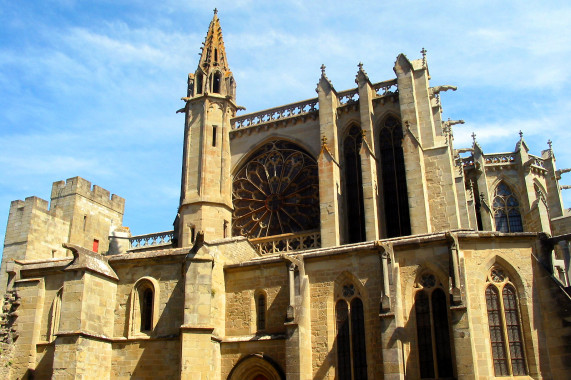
(91, 88)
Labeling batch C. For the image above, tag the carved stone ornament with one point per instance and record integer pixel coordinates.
(497, 274)
(276, 192)
(348, 290)
(428, 280)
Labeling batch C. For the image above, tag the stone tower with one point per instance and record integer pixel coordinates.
(206, 190)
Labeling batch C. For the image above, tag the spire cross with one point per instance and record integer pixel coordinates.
(423, 52)
(215, 11)
(549, 142)
(322, 69)
(520, 134)
(360, 65)
(474, 137)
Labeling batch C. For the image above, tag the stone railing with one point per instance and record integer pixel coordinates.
(274, 114)
(348, 96)
(500, 159)
(287, 242)
(157, 239)
(467, 161)
(537, 161)
(388, 87)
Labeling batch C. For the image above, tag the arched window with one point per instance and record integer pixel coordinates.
(199, 83)
(354, 185)
(216, 81)
(506, 210)
(505, 327)
(395, 193)
(350, 325)
(276, 192)
(55, 315)
(261, 312)
(432, 330)
(143, 306)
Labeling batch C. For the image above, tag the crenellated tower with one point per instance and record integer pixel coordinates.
(206, 189)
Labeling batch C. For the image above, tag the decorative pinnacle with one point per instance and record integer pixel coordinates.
(215, 11)
(323, 141)
(520, 134)
(474, 137)
(323, 69)
(360, 65)
(549, 142)
(423, 52)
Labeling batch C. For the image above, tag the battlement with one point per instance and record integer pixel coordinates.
(34, 203)
(80, 186)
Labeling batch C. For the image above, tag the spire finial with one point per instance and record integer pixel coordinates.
(323, 69)
(549, 142)
(360, 65)
(215, 11)
(520, 134)
(474, 137)
(423, 52)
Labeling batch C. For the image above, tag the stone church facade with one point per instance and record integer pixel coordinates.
(339, 237)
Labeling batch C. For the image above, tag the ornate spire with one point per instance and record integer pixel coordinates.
(213, 52)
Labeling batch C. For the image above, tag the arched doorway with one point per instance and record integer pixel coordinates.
(256, 367)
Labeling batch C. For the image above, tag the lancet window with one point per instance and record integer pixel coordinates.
(504, 322)
(432, 329)
(350, 324)
(55, 315)
(354, 185)
(395, 193)
(276, 192)
(144, 308)
(260, 311)
(506, 210)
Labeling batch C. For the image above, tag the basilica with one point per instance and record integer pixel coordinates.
(338, 237)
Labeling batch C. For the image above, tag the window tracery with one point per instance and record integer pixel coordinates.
(276, 192)
(504, 322)
(393, 175)
(506, 210)
(354, 185)
(350, 324)
(432, 328)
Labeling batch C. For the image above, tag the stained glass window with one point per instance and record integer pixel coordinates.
(276, 192)
(506, 210)
(395, 193)
(504, 325)
(351, 346)
(354, 185)
(434, 350)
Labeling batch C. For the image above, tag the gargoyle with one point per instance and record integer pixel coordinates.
(446, 87)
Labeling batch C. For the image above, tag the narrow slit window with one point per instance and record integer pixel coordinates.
(354, 185)
(261, 312)
(213, 135)
(351, 337)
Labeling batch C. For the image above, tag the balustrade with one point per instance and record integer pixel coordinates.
(151, 240)
(348, 96)
(287, 242)
(274, 114)
(500, 158)
(388, 87)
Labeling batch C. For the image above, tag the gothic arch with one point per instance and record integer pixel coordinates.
(253, 149)
(276, 191)
(352, 144)
(513, 273)
(392, 175)
(136, 314)
(507, 207)
(347, 277)
(432, 268)
(253, 365)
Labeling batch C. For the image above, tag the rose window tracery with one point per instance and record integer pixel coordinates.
(276, 192)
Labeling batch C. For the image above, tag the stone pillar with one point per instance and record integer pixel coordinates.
(198, 352)
(483, 191)
(28, 320)
(554, 200)
(328, 164)
(83, 341)
(368, 159)
(412, 146)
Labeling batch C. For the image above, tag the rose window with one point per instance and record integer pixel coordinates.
(276, 192)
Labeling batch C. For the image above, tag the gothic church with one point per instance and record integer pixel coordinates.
(339, 237)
